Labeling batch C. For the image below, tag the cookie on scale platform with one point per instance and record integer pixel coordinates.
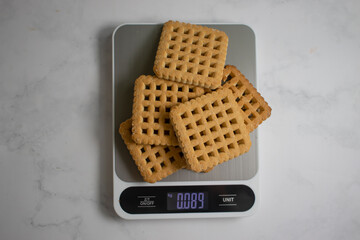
(255, 109)
(154, 162)
(210, 129)
(153, 98)
(191, 54)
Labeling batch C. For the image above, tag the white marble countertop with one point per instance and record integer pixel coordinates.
(55, 110)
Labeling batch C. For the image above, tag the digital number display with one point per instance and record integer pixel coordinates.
(187, 201)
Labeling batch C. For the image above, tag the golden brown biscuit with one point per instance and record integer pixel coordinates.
(153, 98)
(251, 103)
(210, 129)
(191, 54)
(153, 162)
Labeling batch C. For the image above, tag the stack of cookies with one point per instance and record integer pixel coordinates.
(196, 112)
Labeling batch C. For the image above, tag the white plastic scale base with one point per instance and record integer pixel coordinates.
(229, 190)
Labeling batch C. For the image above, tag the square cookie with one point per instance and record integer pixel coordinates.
(154, 162)
(210, 129)
(251, 103)
(153, 98)
(191, 54)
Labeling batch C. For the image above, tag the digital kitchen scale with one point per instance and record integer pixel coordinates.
(229, 190)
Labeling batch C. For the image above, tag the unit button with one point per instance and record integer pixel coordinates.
(227, 200)
(146, 201)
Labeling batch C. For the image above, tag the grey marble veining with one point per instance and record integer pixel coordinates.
(55, 114)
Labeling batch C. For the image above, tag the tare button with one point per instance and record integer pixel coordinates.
(227, 200)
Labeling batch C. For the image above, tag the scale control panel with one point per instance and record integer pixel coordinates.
(184, 199)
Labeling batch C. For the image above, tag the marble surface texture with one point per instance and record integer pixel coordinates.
(55, 114)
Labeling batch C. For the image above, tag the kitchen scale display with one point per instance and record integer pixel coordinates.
(187, 201)
(229, 190)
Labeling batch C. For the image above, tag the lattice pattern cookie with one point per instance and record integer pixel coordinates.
(191, 54)
(210, 129)
(154, 162)
(153, 98)
(251, 103)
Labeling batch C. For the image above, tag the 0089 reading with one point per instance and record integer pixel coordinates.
(187, 201)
